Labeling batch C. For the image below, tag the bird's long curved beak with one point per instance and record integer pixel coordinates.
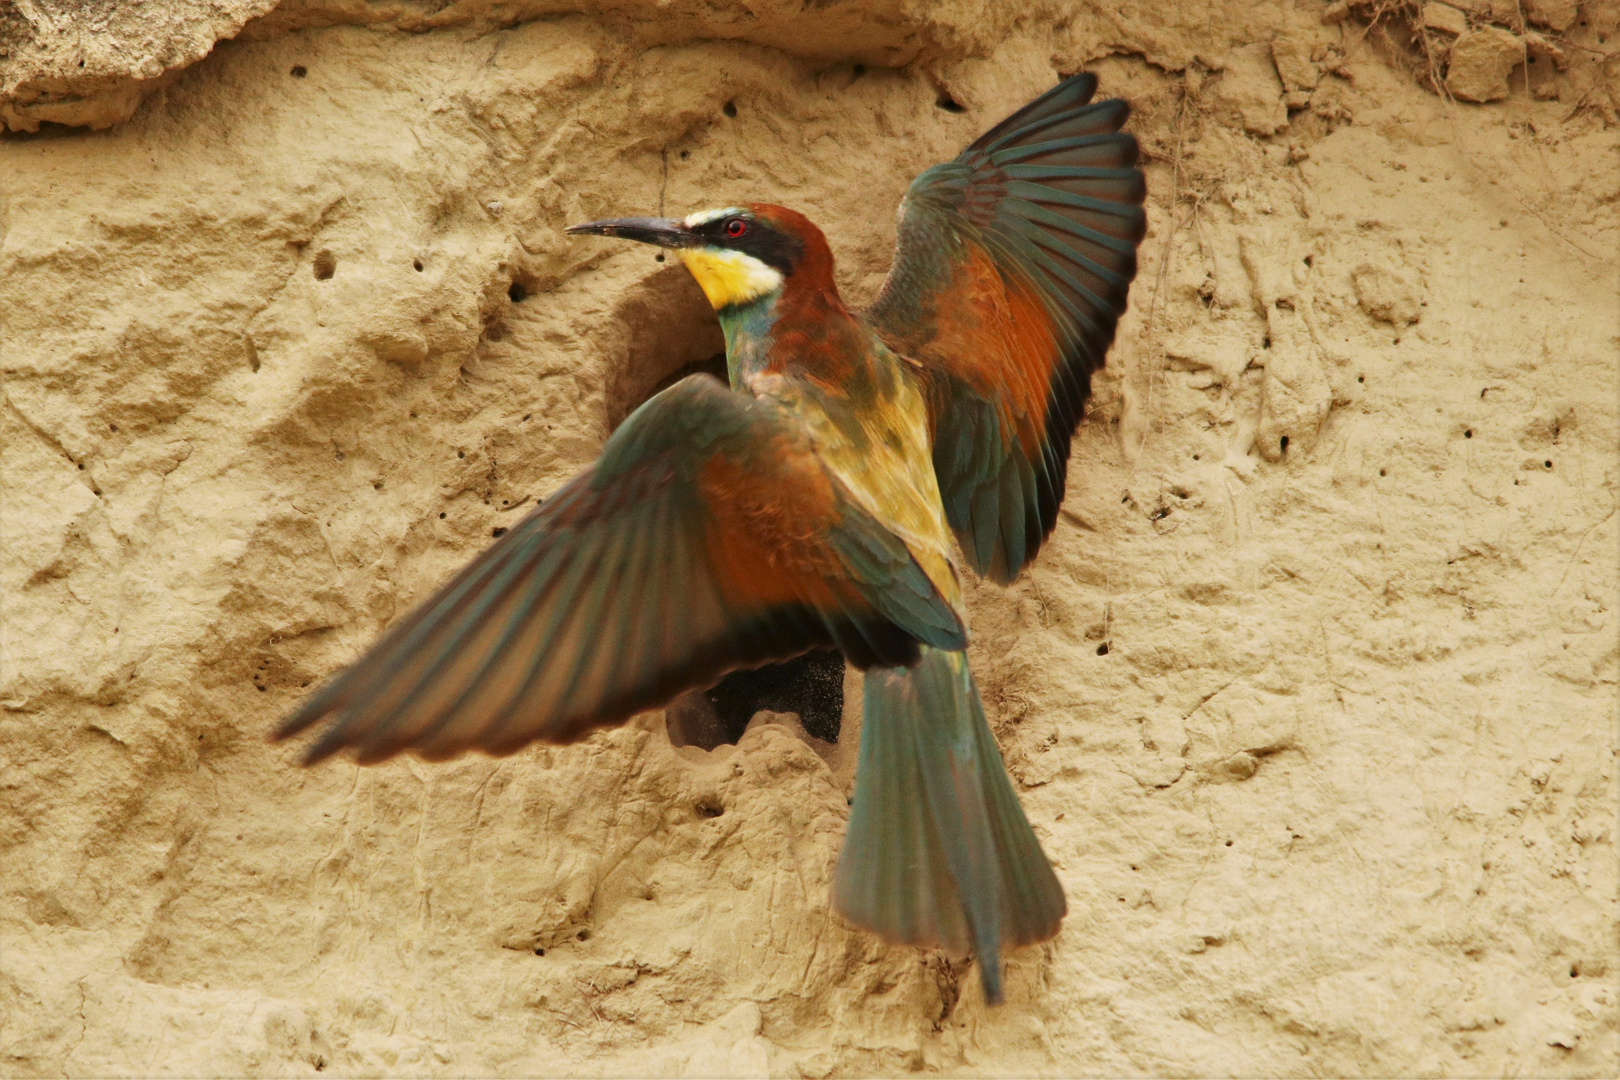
(664, 232)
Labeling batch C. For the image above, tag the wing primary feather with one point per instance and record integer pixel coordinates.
(1017, 154)
(522, 626)
(1040, 216)
(561, 606)
(356, 677)
(646, 585)
(599, 583)
(385, 692)
(407, 723)
(1044, 259)
(501, 721)
(1014, 514)
(1072, 93)
(1031, 259)
(1104, 116)
(1046, 197)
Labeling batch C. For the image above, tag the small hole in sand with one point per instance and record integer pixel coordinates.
(441, 515)
(81, 466)
(707, 809)
(729, 108)
(1282, 444)
(1383, 472)
(685, 154)
(949, 104)
(659, 257)
(499, 530)
(416, 264)
(583, 935)
(1102, 650)
(1548, 464)
(1309, 261)
(516, 292)
(859, 70)
(539, 952)
(1229, 843)
(298, 71)
(1468, 433)
(325, 265)
(461, 453)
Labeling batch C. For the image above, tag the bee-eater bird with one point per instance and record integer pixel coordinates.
(812, 503)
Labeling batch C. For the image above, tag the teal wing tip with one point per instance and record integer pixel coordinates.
(990, 980)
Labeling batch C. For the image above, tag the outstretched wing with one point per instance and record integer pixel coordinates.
(708, 537)
(1012, 268)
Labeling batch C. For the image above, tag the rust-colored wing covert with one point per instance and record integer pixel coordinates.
(1012, 268)
(708, 537)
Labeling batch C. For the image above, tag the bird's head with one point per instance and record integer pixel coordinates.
(740, 255)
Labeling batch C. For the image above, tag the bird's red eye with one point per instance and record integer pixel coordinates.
(736, 227)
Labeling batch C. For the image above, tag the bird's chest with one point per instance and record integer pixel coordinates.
(876, 443)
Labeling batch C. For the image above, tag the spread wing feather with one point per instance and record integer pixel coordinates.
(1012, 268)
(708, 537)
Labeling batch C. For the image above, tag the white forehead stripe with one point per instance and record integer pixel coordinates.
(703, 217)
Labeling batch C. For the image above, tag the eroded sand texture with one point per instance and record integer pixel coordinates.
(1311, 698)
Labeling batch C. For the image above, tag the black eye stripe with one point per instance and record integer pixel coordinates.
(770, 246)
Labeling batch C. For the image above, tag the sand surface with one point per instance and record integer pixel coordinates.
(1312, 698)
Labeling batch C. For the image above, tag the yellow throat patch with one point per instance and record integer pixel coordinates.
(730, 277)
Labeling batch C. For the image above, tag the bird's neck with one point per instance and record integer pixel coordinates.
(747, 328)
(800, 332)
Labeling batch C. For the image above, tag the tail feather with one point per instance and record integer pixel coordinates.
(938, 851)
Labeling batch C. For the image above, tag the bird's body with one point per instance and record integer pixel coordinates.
(860, 405)
(812, 503)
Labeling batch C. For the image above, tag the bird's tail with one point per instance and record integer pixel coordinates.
(938, 851)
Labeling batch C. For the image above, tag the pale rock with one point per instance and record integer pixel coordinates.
(1481, 61)
(59, 66)
(1388, 293)
(1556, 15)
(1250, 91)
(1292, 59)
(1445, 18)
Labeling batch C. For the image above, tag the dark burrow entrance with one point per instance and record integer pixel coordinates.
(672, 333)
(812, 686)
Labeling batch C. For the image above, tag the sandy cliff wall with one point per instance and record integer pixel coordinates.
(1312, 698)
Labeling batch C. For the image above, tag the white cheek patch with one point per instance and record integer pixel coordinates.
(730, 277)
